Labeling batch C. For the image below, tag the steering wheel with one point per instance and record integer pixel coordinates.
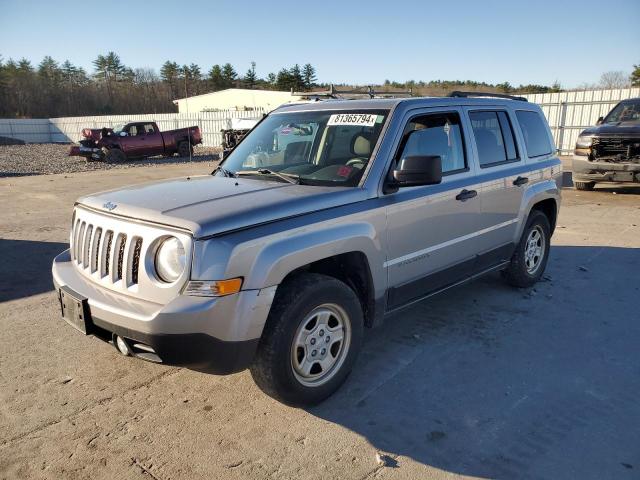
(355, 161)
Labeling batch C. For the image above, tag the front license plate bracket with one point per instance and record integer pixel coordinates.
(75, 309)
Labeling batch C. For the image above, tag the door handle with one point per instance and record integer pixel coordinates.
(466, 195)
(520, 181)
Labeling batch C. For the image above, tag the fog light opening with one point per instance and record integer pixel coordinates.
(123, 346)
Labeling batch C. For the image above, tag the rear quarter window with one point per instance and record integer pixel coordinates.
(534, 130)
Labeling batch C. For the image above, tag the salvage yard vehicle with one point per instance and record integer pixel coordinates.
(239, 127)
(135, 140)
(325, 218)
(610, 151)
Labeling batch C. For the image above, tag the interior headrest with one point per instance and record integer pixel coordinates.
(361, 146)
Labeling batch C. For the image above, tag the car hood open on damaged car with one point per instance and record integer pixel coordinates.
(208, 205)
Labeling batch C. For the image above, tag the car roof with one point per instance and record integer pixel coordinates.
(390, 103)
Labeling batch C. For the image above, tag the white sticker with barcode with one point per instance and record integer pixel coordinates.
(360, 119)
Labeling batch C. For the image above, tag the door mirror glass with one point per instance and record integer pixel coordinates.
(123, 134)
(418, 170)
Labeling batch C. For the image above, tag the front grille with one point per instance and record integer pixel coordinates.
(112, 252)
(621, 147)
(98, 253)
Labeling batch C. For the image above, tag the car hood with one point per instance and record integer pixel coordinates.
(208, 205)
(622, 129)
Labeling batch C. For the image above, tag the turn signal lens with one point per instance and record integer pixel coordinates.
(216, 288)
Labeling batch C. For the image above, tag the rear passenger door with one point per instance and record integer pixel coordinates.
(502, 183)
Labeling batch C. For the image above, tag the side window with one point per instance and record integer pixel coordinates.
(148, 129)
(133, 130)
(439, 134)
(494, 137)
(535, 134)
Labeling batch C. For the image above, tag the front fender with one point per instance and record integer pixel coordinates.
(284, 255)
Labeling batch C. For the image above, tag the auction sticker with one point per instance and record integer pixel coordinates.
(360, 119)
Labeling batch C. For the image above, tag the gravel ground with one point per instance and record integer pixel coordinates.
(48, 158)
(482, 381)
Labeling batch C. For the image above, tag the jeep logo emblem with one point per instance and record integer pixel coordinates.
(110, 206)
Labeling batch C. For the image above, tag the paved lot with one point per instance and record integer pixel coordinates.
(484, 381)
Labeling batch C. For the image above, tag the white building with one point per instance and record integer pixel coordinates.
(234, 99)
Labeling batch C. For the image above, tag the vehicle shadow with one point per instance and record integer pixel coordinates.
(496, 382)
(26, 267)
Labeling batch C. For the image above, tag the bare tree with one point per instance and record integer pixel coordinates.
(614, 79)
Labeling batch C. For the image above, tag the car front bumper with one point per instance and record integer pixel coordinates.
(585, 171)
(217, 335)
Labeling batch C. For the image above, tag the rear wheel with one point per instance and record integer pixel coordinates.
(185, 149)
(532, 252)
(584, 185)
(115, 155)
(311, 340)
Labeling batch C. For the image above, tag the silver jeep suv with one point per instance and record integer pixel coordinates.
(325, 218)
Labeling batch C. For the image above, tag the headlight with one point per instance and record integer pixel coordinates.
(170, 260)
(584, 141)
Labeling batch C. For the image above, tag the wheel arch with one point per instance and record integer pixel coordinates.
(350, 253)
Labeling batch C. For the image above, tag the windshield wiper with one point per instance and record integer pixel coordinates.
(225, 172)
(295, 179)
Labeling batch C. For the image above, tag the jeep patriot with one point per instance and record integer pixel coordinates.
(325, 218)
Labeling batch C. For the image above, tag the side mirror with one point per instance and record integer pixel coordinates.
(123, 134)
(418, 170)
(600, 120)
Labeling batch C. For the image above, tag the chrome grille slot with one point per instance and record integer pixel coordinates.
(95, 249)
(80, 243)
(111, 252)
(121, 243)
(74, 240)
(134, 263)
(86, 248)
(106, 254)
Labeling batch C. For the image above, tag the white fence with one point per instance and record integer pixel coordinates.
(568, 113)
(67, 129)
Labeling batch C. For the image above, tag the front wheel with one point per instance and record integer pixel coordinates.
(532, 252)
(115, 155)
(311, 340)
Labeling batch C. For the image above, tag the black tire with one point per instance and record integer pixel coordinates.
(584, 185)
(517, 273)
(115, 155)
(295, 301)
(185, 149)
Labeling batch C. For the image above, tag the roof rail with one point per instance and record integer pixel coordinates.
(486, 94)
(368, 91)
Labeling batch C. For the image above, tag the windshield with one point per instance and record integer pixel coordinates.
(625, 112)
(317, 147)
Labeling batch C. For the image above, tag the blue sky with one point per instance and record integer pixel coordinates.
(352, 42)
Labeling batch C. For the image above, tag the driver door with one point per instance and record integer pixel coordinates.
(431, 229)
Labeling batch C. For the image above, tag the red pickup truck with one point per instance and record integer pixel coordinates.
(135, 140)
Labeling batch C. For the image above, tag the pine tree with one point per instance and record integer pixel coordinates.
(250, 77)
(216, 80)
(308, 76)
(297, 80)
(634, 78)
(229, 75)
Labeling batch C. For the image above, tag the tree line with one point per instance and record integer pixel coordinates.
(53, 89)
